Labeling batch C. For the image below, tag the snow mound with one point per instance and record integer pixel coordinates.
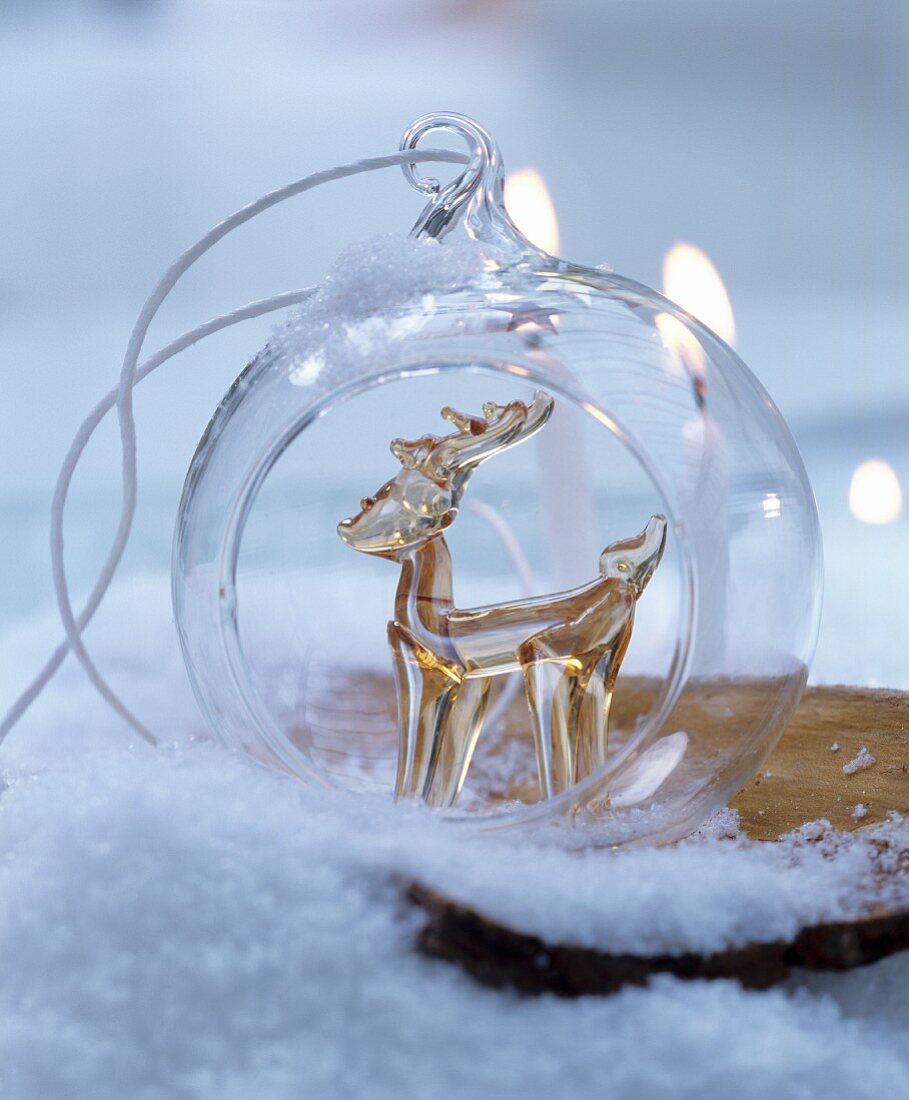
(378, 291)
(181, 923)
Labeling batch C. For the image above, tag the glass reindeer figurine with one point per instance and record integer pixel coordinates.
(568, 645)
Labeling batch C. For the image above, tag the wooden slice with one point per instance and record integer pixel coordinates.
(503, 957)
(803, 780)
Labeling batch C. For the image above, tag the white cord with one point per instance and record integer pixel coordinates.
(130, 375)
(74, 454)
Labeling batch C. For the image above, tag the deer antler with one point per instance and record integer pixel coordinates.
(502, 426)
(466, 425)
(454, 457)
(413, 453)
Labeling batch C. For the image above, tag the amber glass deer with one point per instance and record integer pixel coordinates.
(568, 645)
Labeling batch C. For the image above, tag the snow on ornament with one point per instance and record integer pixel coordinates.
(285, 632)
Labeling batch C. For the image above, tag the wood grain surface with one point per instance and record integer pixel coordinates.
(802, 780)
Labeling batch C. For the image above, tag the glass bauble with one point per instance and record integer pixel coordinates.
(285, 629)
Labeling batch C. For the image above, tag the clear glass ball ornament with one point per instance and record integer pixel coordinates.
(284, 628)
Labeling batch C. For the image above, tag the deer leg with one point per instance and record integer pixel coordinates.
(596, 683)
(591, 699)
(454, 747)
(425, 688)
(548, 696)
(569, 692)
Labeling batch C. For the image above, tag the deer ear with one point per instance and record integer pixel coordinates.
(410, 453)
(399, 449)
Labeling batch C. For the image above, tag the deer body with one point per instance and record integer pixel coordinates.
(568, 645)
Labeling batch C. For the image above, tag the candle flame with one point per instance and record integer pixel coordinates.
(875, 495)
(531, 208)
(681, 340)
(692, 282)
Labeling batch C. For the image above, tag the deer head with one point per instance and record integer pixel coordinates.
(634, 560)
(422, 499)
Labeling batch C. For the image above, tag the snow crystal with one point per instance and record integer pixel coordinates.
(863, 760)
(860, 811)
(810, 831)
(835, 747)
(725, 822)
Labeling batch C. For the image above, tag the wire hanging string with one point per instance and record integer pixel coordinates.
(131, 373)
(74, 455)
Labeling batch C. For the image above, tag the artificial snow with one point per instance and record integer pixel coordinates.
(182, 923)
(378, 291)
(699, 896)
(862, 760)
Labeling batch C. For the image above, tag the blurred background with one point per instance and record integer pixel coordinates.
(771, 135)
